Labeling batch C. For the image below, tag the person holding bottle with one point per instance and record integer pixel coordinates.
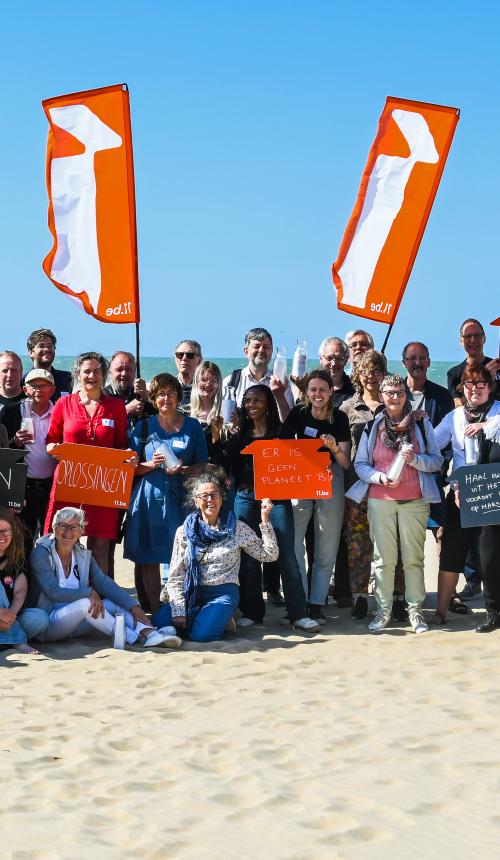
(400, 505)
(260, 420)
(170, 445)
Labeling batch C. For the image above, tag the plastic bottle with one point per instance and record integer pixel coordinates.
(119, 637)
(279, 368)
(394, 471)
(299, 362)
(171, 459)
(27, 422)
(228, 408)
(471, 450)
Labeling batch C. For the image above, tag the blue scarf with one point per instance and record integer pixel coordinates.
(200, 536)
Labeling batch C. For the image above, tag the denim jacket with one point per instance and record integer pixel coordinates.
(430, 460)
(45, 591)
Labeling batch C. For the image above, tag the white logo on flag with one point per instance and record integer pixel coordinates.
(76, 261)
(384, 198)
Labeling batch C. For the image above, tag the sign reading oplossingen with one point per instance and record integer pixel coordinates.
(93, 475)
(290, 469)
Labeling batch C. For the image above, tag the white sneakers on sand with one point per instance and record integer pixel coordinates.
(418, 622)
(379, 623)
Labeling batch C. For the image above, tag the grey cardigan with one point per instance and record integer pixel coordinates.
(45, 591)
(429, 460)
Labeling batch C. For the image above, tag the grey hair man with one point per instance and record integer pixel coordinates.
(258, 350)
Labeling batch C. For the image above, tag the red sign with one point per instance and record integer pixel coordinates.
(93, 475)
(290, 469)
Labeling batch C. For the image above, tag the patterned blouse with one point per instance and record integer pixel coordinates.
(220, 563)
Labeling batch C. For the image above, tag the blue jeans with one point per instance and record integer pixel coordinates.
(29, 624)
(218, 604)
(247, 509)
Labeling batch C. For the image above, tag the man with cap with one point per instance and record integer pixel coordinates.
(30, 420)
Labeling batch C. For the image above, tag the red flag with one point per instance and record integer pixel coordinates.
(90, 181)
(395, 198)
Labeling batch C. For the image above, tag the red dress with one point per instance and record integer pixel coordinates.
(108, 429)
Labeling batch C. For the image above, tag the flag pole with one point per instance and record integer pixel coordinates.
(137, 350)
(386, 338)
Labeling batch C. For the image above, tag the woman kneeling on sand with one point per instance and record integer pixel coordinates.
(78, 597)
(202, 585)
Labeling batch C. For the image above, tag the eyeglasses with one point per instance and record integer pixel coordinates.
(207, 496)
(39, 387)
(476, 335)
(332, 358)
(189, 355)
(421, 358)
(5, 532)
(479, 385)
(67, 528)
(364, 344)
(394, 393)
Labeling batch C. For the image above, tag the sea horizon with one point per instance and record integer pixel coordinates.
(152, 365)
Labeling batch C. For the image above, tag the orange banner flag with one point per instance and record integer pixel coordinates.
(90, 182)
(93, 475)
(290, 469)
(394, 201)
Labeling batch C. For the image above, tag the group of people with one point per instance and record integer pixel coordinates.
(204, 549)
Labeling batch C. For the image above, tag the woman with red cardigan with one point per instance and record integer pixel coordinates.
(89, 417)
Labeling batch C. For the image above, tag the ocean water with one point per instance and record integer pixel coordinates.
(151, 365)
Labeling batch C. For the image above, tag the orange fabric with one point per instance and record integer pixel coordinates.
(91, 192)
(290, 469)
(415, 158)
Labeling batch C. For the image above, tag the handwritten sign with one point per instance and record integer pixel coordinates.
(479, 488)
(93, 475)
(290, 469)
(12, 478)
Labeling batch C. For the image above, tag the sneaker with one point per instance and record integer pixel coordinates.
(275, 598)
(316, 614)
(470, 591)
(168, 631)
(245, 622)
(309, 624)
(379, 623)
(360, 608)
(399, 609)
(418, 623)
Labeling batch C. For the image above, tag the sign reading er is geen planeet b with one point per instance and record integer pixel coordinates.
(290, 469)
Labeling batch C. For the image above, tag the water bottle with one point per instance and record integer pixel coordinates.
(394, 471)
(228, 408)
(471, 450)
(27, 422)
(171, 459)
(299, 359)
(279, 368)
(119, 637)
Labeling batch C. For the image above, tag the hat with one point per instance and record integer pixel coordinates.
(38, 373)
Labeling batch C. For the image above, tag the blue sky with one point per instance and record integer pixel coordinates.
(252, 122)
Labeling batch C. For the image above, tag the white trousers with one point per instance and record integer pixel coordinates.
(74, 619)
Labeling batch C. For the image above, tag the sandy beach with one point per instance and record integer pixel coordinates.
(271, 743)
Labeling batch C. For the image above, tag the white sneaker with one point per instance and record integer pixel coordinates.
(245, 622)
(418, 623)
(309, 624)
(157, 639)
(169, 630)
(379, 623)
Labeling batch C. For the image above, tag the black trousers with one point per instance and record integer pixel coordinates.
(489, 555)
(34, 512)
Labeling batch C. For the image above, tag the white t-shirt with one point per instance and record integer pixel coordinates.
(72, 581)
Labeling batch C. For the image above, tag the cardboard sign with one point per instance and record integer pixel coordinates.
(479, 488)
(290, 469)
(12, 478)
(94, 476)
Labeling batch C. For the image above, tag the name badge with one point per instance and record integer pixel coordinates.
(310, 431)
(108, 422)
(178, 443)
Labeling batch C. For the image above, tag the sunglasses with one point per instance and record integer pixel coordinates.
(479, 385)
(189, 355)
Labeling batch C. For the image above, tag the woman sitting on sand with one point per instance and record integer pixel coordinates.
(78, 597)
(400, 505)
(17, 625)
(202, 586)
